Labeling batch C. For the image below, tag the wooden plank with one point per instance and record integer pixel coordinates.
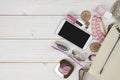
(29, 27)
(48, 7)
(32, 71)
(29, 51)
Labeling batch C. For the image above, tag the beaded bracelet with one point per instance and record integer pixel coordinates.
(96, 30)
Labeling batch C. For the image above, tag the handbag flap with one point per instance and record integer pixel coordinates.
(111, 69)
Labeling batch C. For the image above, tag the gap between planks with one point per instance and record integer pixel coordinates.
(31, 38)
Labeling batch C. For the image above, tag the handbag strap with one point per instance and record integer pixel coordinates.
(82, 73)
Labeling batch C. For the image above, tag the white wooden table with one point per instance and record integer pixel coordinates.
(26, 32)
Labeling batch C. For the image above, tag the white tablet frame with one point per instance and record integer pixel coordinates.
(86, 44)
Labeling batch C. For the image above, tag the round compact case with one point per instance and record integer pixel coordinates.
(64, 68)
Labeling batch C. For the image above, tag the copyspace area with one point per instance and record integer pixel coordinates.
(26, 32)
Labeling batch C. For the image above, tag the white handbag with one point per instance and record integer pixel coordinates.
(106, 66)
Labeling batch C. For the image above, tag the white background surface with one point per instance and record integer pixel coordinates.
(26, 32)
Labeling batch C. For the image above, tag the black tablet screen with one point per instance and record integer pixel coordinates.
(74, 34)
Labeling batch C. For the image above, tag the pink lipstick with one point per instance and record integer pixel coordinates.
(74, 20)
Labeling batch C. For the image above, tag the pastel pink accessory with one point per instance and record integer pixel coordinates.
(74, 20)
(102, 12)
(96, 29)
